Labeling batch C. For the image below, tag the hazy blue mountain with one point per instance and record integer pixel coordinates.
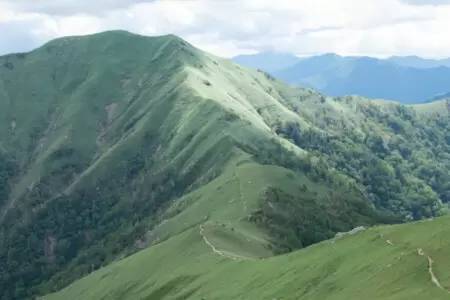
(370, 77)
(407, 79)
(419, 62)
(440, 97)
(310, 71)
(267, 61)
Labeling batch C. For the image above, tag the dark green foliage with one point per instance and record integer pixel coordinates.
(89, 227)
(407, 173)
(307, 218)
(8, 65)
(8, 169)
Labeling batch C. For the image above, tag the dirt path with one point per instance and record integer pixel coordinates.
(241, 196)
(220, 252)
(433, 277)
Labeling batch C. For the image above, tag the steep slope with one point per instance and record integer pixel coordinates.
(115, 142)
(385, 262)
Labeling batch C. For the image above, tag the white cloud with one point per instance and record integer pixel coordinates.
(428, 2)
(370, 27)
(69, 7)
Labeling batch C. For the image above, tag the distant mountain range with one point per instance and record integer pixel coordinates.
(419, 62)
(440, 97)
(408, 79)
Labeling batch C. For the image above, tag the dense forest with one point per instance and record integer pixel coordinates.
(402, 163)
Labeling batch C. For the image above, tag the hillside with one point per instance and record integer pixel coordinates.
(405, 79)
(383, 262)
(115, 142)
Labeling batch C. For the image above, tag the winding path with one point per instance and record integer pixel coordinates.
(220, 252)
(433, 277)
(241, 196)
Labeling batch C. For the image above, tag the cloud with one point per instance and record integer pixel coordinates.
(304, 27)
(428, 2)
(16, 37)
(68, 7)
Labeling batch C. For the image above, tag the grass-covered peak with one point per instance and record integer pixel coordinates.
(115, 36)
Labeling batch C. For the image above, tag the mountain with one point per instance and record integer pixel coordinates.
(419, 62)
(440, 97)
(115, 142)
(374, 78)
(267, 61)
(404, 79)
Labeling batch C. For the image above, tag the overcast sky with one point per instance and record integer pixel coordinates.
(231, 27)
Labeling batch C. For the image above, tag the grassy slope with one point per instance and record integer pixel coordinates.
(136, 95)
(227, 203)
(70, 73)
(380, 263)
(436, 108)
(210, 251)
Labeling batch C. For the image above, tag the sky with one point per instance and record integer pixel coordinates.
(230, 27)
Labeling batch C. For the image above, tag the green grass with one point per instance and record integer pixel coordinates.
(235, 243)
(227, 203)
(436, 108)
(361, 266)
